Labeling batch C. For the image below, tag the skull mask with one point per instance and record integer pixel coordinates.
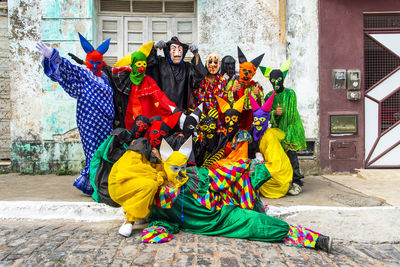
(175, 162)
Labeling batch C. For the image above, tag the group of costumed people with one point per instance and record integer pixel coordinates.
(186, 145)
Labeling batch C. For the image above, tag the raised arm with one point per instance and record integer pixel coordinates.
(72, 78)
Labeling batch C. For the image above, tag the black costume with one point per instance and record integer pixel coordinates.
(175, 80)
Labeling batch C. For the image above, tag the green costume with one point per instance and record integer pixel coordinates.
(189, 215)
(289, 121)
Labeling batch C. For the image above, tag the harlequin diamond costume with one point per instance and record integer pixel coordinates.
(285, 116)
(95, 109)
(245, 85)
(176, 77)
(137, 93)
(182, 209)
(276, 160)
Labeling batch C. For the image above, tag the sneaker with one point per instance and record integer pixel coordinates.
(294, 189)
(324, 243)
(125, 229)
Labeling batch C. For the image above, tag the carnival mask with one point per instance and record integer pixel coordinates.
(260, 116)
(213, 63)
(175, 51)
(208, 124)
(140, 126)
(247, 70)
(137, 61)
(160, 128)
(232, 115)
(94, 57)
(276, 76)
(188, 123)
(175, 162)
(228, 65)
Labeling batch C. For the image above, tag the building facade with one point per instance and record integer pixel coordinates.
(359, 84)
(43, 135)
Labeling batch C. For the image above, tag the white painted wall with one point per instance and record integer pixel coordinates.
(302, 48)
(25, 70)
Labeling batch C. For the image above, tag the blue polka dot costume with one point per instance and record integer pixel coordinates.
(94, 111)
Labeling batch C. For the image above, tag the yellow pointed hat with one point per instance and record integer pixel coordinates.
(127, 59)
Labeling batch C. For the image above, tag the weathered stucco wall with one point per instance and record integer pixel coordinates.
(302, 48)
(257, 27)
(252, 25)
(43, 125)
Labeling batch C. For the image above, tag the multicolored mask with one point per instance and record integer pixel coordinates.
(94, 57)
(175, 51)
(232, 115)
(260, 116)
(228, 65)
(247, 70)
(175, 162)
(188, 123)
(137, 61)
(213, 63)
(140, 126)
(208, 124)
(160, 128)
(276, 76)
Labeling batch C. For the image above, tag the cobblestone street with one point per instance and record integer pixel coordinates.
(55, 243)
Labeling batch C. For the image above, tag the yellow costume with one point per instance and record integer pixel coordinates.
(277, 162)
(133, 182)
(134, 179)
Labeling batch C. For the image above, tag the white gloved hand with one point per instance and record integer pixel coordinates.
(194, 49)
(160, 45)
(259, 156)
(226, 76)
(44, 49)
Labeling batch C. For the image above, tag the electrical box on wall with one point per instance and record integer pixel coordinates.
(354, 95)
(353, 85)
(353, 79)
(339, 79)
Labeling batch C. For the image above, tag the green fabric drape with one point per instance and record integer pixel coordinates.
(290, 121)
(229, 221)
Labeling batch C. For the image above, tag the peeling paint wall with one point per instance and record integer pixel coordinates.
(302, 48)
(41, 110)
(257, 27)
(252, 25)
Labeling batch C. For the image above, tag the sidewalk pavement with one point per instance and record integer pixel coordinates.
(361, 208)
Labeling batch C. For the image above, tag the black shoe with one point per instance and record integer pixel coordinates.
(324, 243)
